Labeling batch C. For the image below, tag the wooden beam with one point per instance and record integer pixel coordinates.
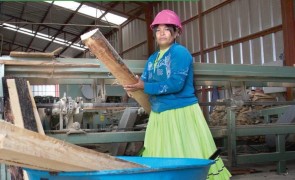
(31, 54)
(26, 148)
(288, 20)
(47, 63)
(148, 16)
(103, 51)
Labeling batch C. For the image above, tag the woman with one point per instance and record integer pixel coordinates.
(176, 127)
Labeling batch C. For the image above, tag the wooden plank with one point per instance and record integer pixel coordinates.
(14, 103)
(26, 148)
(103, 51)
(11, 84)
(31, 54)
(36, 54)
(47, 63)
(35, 110)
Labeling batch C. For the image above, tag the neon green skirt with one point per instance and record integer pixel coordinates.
(182, 133)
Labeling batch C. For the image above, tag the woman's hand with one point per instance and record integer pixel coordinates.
(134, 87)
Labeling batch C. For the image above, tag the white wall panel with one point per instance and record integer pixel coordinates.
(276, 16)
(256, 51)
(133, 34)
(244, 16)
(279, 48)
(139, 53)
(227, 55)
(255, 16)
(232, 21)
(225, 23)
(239, 19)
(217, 27)
(246, 52)
(266, 14)
(267, 48)
(236, 54)
(207, 4)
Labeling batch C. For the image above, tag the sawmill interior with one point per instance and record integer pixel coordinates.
(244, 77)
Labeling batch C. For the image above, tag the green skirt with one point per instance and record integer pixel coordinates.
(182, 133)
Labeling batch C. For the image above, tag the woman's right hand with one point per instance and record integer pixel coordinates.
(134, 87)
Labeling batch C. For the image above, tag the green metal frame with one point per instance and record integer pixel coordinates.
(205, 74)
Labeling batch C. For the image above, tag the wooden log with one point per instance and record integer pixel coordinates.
(104, 51)
(47, 63)
(31, 54)
(26, 148)
(36, 54)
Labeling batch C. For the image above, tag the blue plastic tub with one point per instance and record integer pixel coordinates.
(156, 168)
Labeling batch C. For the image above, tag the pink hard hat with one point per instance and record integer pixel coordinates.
(167, 17)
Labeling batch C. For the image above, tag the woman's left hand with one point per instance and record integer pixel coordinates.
(134, 87)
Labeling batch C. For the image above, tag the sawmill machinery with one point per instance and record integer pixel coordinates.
(225, 76)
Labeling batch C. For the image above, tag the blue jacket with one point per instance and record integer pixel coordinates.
(170, 84)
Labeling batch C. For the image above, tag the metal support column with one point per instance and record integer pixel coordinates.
(231, 141)
(1, 91)
(280, 148)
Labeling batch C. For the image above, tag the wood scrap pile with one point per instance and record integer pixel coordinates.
(244, 114)
(23, 142)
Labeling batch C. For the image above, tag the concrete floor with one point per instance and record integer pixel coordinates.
(266, 172)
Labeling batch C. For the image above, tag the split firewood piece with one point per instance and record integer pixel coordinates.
(26, 148)
(104, 51)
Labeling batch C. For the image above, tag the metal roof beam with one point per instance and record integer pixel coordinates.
(28, 22)
(38, 28)
(15, 34)
(89, 28)
(63, 26)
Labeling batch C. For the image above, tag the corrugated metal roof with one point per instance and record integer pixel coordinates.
(55, 21)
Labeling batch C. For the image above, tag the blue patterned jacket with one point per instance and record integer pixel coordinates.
(170, 84)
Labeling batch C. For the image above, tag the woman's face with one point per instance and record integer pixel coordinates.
(165, 36)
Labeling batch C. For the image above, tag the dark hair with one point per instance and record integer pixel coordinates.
(172, 28)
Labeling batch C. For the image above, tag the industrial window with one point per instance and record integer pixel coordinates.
(45, 90)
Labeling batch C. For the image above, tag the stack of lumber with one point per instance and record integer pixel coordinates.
(24, 143)
(25, 148)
